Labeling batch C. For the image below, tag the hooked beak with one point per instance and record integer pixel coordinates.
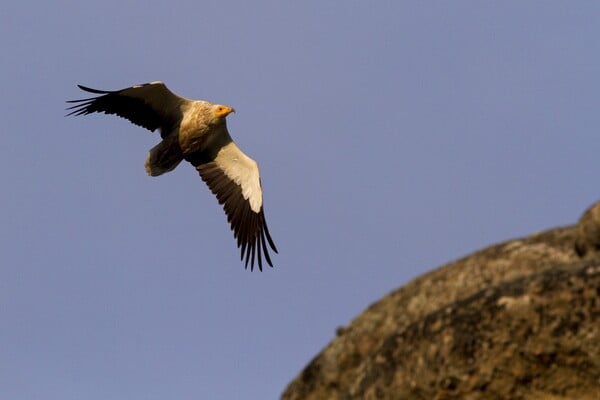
(223, 111)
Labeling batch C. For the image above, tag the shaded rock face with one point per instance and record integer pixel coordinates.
(588, 231)
(518, 320)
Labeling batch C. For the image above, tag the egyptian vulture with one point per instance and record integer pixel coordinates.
(195, 131)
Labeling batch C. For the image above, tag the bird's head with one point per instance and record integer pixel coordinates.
(222, 111)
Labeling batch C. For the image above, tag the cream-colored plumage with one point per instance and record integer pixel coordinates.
(195, 131)
(243, 171)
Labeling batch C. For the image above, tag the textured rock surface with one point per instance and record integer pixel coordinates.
(517, 320)
(588, 231)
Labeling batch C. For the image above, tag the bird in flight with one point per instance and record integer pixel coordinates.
(195, 131)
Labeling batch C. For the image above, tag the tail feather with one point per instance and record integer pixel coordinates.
(164, 157)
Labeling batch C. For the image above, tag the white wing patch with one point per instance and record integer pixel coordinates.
(243, 171)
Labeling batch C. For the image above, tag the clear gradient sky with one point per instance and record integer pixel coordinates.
(392, 137)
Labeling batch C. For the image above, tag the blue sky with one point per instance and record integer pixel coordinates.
(392, 137)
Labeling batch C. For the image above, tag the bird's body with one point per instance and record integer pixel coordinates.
(195, 131)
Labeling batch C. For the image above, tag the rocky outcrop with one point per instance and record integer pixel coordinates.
(518, 320)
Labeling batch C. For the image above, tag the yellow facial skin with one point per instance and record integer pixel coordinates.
(223, 111)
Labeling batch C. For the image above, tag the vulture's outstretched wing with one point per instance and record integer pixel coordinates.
(234, 178)
(150, 105)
